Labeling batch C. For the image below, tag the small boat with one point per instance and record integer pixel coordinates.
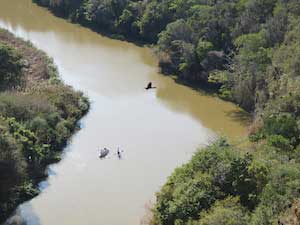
(103, 153)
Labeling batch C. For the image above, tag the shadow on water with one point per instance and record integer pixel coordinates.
(221, 117)
(24, 215)
(203, 88)
(240, 116)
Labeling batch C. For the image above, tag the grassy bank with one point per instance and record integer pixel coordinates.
(38, 114)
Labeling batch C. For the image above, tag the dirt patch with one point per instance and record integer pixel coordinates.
(292, 215)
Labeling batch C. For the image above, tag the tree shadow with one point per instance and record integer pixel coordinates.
(241, 116)
(204, 88)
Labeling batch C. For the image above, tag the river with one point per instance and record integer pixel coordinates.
(157, 129)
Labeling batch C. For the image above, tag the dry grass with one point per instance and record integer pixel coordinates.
(292, 215)
(36, 62)
(148, 216)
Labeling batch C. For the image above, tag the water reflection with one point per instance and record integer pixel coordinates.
(24, 215)
(201, 105)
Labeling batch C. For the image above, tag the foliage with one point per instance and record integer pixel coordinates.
(239, 188)
(225, 212)
(215, 172)
(10, 66)
(203, 47)
(35, 122)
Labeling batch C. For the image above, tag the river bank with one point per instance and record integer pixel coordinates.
(39, 113)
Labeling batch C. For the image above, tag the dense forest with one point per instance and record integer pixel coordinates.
(38, 113)
(249, 52)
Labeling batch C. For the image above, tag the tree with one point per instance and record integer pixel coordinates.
(225, 212)
(10, 67)
(154, 19)
(203, 48)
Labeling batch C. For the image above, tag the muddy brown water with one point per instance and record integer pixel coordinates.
(157, 130)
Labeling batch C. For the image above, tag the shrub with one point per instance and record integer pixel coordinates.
(23, 107)
(281, 190)
(284, 125)
(203, 48)
(225, 212)
(10, 67)
(279, 142)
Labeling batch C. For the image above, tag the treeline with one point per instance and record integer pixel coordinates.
(38, 113)
(232, 44)
(223, 185)
(249, 50)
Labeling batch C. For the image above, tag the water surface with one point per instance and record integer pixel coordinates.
(158, 129)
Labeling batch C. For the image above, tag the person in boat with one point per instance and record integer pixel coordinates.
(149, 86)
(119, 153)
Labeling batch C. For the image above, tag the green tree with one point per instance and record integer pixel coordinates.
(225, 212)
(10, 67)
(203, 47)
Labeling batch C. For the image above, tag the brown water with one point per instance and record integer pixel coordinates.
(158, 129)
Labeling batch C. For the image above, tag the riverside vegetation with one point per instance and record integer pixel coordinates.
(38, 113)
(249, 52)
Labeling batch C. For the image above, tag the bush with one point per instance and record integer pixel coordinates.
(284, 127)
(279, 193)
(187, 200)
(203, 48)
(280, 142)
(225, 212)
(24, 107)
(10, 67)
(214, 173)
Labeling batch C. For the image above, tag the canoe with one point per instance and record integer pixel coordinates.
(103, 153)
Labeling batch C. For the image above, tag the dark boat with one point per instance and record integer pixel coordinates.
(103, 153)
